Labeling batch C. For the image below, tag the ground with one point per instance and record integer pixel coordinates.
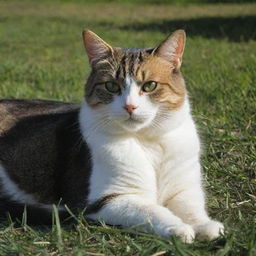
(42, 56)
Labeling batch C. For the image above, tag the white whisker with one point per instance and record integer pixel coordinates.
(96, 125)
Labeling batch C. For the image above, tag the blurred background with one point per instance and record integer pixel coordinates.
(43, 38)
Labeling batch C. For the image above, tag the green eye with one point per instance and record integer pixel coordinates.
(112, 87)
(149, 86)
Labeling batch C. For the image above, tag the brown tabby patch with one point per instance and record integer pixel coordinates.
(143, 66)
(6, 120)
(171, 87)
(12, 111)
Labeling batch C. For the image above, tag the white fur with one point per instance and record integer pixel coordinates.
(12, 190)
(152, 162)
(141, 116)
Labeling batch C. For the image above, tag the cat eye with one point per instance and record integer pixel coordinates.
(112, 87)
(149, 86)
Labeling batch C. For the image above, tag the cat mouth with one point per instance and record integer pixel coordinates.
(132, 119)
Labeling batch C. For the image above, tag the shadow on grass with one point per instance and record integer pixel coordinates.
(236, 29)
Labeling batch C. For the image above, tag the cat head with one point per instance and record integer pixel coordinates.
(136, 87)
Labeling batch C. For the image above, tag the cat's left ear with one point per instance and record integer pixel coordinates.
(172, 48)
(96, 48)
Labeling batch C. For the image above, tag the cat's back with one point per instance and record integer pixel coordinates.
(12, 111)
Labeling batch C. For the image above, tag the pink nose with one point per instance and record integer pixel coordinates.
(130, 108)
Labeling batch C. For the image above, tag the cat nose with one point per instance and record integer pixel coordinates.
(130, 108)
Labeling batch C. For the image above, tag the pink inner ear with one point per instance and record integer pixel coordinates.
(177, 58)
(94, 50)
(172, 48)
(179, 49)
(95, 47)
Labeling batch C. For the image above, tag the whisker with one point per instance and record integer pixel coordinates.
(95, 127)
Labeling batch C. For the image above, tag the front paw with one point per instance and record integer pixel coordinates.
(209, 230)
(183, 231)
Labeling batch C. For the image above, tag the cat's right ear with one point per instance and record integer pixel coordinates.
(172, 48)
(95, 47)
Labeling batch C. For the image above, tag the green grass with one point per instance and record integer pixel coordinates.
(42, 56)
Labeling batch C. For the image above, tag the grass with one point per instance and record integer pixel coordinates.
(42, 56)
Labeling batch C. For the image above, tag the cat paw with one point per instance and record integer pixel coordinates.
(185, 232)
(209, 230)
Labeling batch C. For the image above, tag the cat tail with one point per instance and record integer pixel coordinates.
(31, 214)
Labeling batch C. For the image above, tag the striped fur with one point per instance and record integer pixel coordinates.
(143, 65)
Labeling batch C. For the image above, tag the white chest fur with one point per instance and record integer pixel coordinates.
(144, 145)
(156, 179)
(135, 163)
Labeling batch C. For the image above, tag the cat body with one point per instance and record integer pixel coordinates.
(130, 154)
(42, 155)
(144, 175)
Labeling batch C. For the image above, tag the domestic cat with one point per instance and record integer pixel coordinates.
(130, 154)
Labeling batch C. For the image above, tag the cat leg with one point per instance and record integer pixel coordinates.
(189, 205)
(130, 210)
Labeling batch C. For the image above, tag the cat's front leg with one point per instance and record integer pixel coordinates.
(189, 204)
(132, 210)
(123, 190)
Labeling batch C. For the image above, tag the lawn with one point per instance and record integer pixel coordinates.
(42, 56)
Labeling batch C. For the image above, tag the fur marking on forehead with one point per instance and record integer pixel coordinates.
(119, 65)
(129, 62)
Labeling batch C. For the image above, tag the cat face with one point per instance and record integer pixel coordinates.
(134, 87)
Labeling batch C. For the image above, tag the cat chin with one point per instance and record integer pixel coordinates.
(137, 123)
(131, 125)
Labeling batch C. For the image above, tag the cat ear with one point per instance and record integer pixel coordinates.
(171, 49)
(95, 47)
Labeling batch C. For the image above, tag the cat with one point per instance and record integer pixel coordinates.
(130, 153)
